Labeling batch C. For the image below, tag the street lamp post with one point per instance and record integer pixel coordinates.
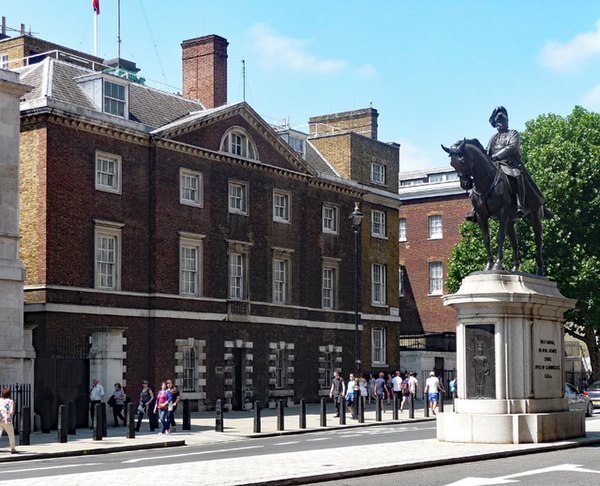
(356, 218)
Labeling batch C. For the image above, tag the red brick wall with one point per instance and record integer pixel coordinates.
(205, 70)
(421, 312)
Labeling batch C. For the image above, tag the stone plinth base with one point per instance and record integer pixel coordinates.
(510, 428)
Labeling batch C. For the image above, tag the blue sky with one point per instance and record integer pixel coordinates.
(433, 69)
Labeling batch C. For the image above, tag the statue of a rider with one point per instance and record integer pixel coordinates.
(505, 148)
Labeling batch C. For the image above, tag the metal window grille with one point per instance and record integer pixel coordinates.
(190, 370)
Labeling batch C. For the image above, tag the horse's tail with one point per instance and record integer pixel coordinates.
(547, 213)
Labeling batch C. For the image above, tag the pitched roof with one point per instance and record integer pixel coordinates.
(57, 80)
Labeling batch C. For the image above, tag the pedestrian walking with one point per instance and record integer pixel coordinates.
(96, 396)
(145, 406)
(164, 405)
(118, 401)
(404, 387)
(7, 412)
(176, 398)
(381, 389)
(349, 396)
(337, 392)
(413, 385)
(397, 387)
(363, 386)
(371, 382)
(433, 388)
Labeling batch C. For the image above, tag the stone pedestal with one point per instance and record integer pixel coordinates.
(16, 353)
(510, 362)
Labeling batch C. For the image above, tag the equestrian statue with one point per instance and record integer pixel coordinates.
(500, 188)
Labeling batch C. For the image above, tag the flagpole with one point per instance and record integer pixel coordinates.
(95, 34)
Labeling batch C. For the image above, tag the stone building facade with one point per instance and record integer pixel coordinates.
(165, 240)
(433, 207)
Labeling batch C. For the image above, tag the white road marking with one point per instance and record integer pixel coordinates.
(133, 461)
(510, 477)
(320, 438)
(45, 468)
(287, 443)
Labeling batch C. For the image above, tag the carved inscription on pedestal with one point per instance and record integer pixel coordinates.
(547, 368)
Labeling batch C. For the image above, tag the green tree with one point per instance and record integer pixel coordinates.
(563, 156)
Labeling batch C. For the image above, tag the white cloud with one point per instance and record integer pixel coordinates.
(416, 158)
(276, 51)
(591, 100)
(567, 57)
(367, 71)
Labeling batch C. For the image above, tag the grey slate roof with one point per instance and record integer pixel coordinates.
(316, 161)
(55, 79)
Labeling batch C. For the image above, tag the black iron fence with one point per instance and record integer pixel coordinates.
(21, 395)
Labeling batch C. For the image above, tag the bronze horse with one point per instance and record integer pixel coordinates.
(493, 196)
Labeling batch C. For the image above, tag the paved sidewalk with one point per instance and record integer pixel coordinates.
(300, 468)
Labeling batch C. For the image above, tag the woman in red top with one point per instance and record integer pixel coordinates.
(164, 401)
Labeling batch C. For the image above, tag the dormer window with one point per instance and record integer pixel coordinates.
(115, 100)
(108, 93)
(237, 142)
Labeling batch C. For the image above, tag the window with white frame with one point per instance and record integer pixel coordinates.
(401, 281)
(378, 284)
(237, 276)
(329, 283)
(190, 187)
(402, 229)
(115, 98)
(281, 206)
(108, 172)
(378, 346)
(238, 197)
(282, 275)
(237, 142)
(330, 218)
(378, 224)
(436, 278)
(190, 264)
(108, 255)
(377, 173)
(3, 61)
(435, 226)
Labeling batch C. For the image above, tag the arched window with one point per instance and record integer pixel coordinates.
(237, 142)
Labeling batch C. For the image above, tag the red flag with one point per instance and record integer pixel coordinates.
(96, 5)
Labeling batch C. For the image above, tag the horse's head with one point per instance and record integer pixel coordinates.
(457, 160)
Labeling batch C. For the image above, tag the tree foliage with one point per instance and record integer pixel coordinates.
(563, 156)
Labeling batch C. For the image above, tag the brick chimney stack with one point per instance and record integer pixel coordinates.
(205, 70)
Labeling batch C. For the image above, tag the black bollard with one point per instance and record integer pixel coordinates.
(257, 410)
(323, 412)
(71, 418)
(378, 414)
(130, 421)
(355, 400)
(426, 409)
(441, 402)
(342, 411)
(186, 420)
(25, 426)
(104, 421)
(62, 423)
(361, 410)
(219, 416)
(280, 424)
(45, 417)
(98, 425)
(395, 405)
(302, 419)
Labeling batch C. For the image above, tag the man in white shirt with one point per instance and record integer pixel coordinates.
(432, 388)
(397, 385)
(96, 396)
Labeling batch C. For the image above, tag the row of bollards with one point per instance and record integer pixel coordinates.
(67, 422)
(358, 412)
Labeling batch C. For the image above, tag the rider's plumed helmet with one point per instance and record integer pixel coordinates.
(499, 110)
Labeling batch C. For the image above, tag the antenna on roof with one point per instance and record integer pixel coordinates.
(119, 33)
(243, 80)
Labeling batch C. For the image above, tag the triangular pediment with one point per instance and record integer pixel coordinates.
(206, 130)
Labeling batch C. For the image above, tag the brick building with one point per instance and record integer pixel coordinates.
(433, 206)
(168, 236)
